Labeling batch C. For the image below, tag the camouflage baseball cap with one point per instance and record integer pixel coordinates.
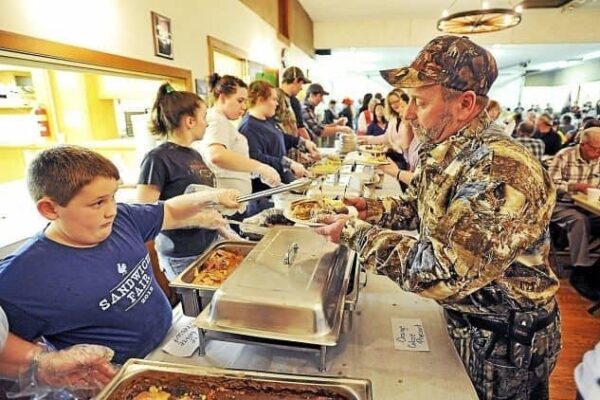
(451, 61)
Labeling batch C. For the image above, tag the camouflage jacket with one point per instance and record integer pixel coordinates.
(483, 205)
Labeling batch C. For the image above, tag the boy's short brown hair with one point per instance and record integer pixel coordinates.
(61, 172)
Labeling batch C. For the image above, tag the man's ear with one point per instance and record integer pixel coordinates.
(47, 207)
(467, 105)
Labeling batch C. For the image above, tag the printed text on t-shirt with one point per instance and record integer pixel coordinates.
(135, 287)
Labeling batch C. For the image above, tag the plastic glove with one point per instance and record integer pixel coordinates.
(363, 139)
(298, 169)
(345, 129)
(207, 195)
(229, 234)
(84, 366)
(268, 175)
(312, 149)
(228, 197)
(207, 218)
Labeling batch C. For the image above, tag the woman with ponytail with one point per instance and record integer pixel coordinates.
(179, 118)
(223, 147)
(267, 142)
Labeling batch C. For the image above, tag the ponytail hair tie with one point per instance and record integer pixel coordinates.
(169, 88)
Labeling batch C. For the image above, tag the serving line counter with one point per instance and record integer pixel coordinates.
(365, 351)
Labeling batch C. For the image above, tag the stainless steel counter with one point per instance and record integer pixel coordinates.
(367, 351)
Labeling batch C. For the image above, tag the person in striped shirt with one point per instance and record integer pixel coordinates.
(575, 170)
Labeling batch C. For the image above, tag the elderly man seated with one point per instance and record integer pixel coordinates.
(575, 170)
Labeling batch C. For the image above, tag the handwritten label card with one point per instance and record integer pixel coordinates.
(409, 334)
(184, 343)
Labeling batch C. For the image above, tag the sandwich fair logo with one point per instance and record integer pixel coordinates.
(135, 286)
(122, 268)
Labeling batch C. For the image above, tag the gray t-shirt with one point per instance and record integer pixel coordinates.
(3, 329)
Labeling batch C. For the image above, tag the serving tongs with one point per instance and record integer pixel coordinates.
(297, 184)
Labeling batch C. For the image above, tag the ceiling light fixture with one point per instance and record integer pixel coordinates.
(479, 21)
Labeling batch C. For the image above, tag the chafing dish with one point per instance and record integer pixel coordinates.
(194, 297)
(293, 289)
(366, 173)
(139, 375)
(337, 186)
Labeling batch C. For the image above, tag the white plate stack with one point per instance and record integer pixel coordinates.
(346, 143)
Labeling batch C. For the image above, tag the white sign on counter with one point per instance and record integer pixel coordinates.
(185, 342)
(409, 334)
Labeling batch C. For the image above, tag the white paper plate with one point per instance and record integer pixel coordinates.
(352, 211)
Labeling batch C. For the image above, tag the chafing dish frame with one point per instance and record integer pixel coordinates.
(209, 331)
(194, 297)
(359, 389)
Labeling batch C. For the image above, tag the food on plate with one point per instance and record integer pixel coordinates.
(329, 165)
(315, 210)
(219, 265)
(372, 158)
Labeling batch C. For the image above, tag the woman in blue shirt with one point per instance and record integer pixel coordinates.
(379, 124)
(266, 142)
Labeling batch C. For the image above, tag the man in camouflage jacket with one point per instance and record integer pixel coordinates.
(483, 204)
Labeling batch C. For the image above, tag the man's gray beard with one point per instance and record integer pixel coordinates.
(430, 135)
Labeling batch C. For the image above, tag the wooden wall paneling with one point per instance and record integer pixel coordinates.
(301, 28)
(22, 44)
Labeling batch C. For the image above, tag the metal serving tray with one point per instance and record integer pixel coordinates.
(366, 173)
(138, 375)
(337, 186)
(291, 287)
(195, 297)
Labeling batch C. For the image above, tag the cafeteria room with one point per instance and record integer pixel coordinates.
(300, 199)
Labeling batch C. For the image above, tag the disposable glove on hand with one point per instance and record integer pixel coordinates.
(207, 196)
(207, 218)
(269, 175)
(298, 169)
(80, 366)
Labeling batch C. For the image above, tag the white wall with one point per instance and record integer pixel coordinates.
(506, 90)
(123, 27)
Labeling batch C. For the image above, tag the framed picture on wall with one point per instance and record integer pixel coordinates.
(161, 32)
(202, 87)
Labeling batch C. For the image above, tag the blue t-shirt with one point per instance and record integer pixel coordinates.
(375, 130)
(267, 144)
(105, 294)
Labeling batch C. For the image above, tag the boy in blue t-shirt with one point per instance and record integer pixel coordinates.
(87, 277)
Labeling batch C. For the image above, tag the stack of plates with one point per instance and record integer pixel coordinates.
(346, 143)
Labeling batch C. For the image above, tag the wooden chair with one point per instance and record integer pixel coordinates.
(159, 274)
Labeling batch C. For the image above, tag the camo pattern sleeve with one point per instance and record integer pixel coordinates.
(484, 204)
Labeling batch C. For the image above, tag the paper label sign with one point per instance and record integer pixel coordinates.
(184, 343)
(409, 334)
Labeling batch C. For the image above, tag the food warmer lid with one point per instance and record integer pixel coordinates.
(291, 286)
